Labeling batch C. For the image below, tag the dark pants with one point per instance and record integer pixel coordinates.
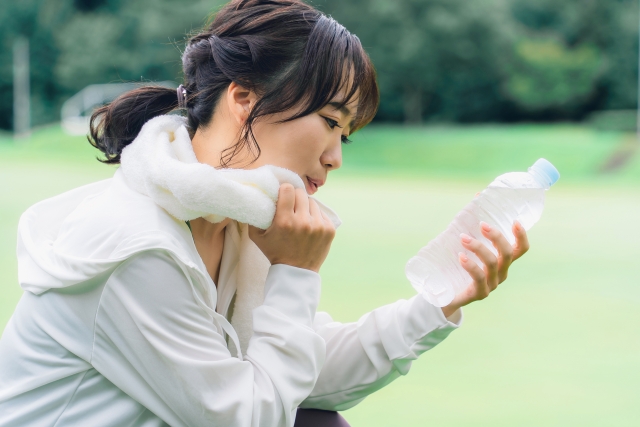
(318, 418)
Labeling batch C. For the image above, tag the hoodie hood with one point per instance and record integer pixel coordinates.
(88, 231)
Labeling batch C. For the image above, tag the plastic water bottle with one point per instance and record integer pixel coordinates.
(436, 272)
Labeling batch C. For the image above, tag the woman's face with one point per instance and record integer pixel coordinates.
(310, 146)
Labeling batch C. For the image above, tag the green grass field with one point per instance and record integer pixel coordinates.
(556, 345)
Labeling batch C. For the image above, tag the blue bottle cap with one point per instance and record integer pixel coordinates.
(544, 167)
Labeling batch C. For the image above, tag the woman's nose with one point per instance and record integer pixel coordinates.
(332, 157)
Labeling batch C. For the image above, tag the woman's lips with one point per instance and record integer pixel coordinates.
(312, 185)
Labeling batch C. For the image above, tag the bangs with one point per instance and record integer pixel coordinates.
(333, 61)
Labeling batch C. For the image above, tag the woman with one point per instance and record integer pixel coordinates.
(183, 291)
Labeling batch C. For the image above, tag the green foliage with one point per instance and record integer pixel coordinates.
(611, 26)
(141, 40)
(37, 20)
(545, 74)
(439, 60)
(498, 59)
(439, 57)
(77, 43)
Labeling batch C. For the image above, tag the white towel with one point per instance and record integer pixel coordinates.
(161, 164)
(253, 267)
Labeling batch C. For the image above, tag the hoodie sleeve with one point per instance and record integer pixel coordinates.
(154, 342)
(365, 356)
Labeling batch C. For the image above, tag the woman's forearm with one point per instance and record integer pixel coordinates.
(364, 356)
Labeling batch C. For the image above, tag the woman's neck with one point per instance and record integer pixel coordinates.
(209, 241)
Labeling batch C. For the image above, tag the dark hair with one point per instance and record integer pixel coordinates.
(287, 52)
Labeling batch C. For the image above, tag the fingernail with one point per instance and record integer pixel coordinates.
(517, 224)
(463, 257)
(486, 227)
(465, 238)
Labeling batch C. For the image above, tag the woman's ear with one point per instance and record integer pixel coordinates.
(240, 101)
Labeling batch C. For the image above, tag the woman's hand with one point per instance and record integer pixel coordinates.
(495, 267)
(300, 234)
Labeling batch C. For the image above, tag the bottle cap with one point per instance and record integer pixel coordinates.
(545, 168)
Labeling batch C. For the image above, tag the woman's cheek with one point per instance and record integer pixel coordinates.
(307, 141)
(295, 145)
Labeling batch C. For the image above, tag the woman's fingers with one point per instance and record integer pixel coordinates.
(301, 206)
(496, 267)
(314, 209)
(505, 250)
(326, 219)
(522, 240)
(298, 235)
(486, 256)
(479, 289)
(286, 200)
(316, 213)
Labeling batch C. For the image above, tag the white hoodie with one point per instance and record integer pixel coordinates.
(120, 324)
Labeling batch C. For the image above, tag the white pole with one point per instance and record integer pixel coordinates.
(21, 95)
(638, 106)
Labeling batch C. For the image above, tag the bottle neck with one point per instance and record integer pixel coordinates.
(541, 178)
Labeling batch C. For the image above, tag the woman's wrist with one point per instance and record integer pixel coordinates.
(449, 310)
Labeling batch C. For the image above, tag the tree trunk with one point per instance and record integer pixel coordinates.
(412, 101)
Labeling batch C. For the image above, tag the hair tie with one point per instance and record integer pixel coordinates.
(182, 97)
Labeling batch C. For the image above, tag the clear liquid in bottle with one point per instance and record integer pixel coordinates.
(436, 272)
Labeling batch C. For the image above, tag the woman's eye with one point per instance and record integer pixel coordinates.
(332, 123)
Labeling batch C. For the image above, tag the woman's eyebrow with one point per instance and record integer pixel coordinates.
(340, 107)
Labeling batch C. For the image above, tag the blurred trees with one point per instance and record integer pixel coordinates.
(454, 60)
(608, 26)
(544, 74)
(75, 43)
(497, 59)
(439, 58)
